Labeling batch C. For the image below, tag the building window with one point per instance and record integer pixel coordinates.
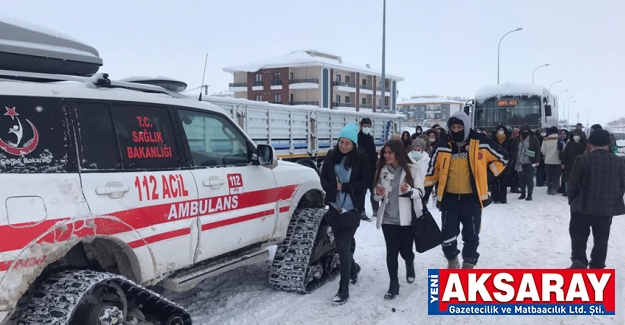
(338, 98)
(276, 76)
(259, 77)
(347, 79)
(364, 82)
(277, 98)
(291, 76)
(259, 98)
(364, 101)
(291, 98)
(347, 99)
(338, 77)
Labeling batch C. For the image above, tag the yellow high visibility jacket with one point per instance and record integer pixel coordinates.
(483, 153)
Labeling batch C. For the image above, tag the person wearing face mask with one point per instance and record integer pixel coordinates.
(595, 195)
(575, 147)
(460, 168)
(499, 185)
(345, 177)
(553, 167)
(367, 144)
(421, 158)
(433, 137)
(563, 140)
(417, 133)
(527, 159)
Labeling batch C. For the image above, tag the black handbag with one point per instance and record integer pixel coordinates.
(427, 234)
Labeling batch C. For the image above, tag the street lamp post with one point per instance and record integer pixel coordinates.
(499, 46)
(558, 100)
(383, 55)
(568, 112)
(555, 82)
(564, 110)
(538, 67)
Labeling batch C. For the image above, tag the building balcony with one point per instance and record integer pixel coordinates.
(343, 104)
(258, 85)
(306, 102)
(311, 83)
(344, 86)
(238, 86)
(366, 87)
(366, 106)
(276, 84)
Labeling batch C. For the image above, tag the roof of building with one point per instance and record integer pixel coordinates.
(308, 58)
(429, 100)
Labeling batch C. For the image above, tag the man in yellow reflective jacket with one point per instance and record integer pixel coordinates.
(459, 166)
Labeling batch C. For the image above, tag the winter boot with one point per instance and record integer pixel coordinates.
(522, 196)
(453, 263)
(355, 271)
(578, 265)
(467, 265)
(529, 197)
(410, 273)
(393, 290)
(363, 216)
(342, 296)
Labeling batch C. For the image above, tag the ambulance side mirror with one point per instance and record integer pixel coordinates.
(266, 156)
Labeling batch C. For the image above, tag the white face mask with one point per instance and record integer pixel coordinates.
(501, 132)
(576, 138)
(432, 140)
(543, 134)
(366, 130)
(416, 155)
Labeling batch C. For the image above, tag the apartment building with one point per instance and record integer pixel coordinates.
(428, 110)
(314, 78)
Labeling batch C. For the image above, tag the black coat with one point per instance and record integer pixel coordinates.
(571, 151)
(510, 146)
(366, 144)
(360, 180)
(597, 184)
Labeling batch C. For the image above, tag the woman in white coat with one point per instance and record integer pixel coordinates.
(420, 157)
(398, 182)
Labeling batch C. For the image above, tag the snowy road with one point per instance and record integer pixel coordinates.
(518, 235)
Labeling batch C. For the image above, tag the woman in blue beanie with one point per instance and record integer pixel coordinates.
(345, 177)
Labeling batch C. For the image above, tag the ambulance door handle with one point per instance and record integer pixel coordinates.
(113, 190)
(214, 182)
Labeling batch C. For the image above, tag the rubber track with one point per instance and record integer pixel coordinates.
(292, 257)
(58, 297)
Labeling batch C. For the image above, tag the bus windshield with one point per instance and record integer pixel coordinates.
(508, 111)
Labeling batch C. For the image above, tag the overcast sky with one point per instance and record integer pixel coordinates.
(440, 47)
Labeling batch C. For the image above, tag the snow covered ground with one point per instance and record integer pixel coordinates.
(517, 235)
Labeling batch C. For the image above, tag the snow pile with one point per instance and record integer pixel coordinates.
(510, 89)
(539, 239)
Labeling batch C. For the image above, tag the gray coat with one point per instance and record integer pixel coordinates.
(597, 184)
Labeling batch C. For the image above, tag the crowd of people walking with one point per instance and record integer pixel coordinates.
(464, 171)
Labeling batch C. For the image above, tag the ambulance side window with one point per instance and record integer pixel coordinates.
(146, 137)
(120, 137)
(99, 149)
(213, 140)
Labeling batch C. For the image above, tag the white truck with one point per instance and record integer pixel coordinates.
(111, 187)
(302, 133)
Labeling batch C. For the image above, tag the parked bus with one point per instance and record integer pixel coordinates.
(513, 104)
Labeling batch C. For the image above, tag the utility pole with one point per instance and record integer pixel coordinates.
(383, 55)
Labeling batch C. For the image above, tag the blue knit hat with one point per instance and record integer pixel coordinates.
(350, 131)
